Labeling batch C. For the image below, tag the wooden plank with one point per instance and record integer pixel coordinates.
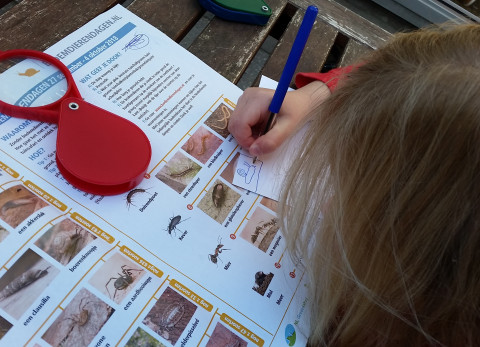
(5, 2)
(174, 18)
(347, 22)
(37, 24)
(318, 46)
(228, 47)
(353, 53)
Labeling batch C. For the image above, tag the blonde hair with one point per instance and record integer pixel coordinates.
(393, 166)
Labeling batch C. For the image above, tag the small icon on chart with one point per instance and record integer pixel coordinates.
(29, 72)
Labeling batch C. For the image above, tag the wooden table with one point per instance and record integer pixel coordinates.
(338, 38)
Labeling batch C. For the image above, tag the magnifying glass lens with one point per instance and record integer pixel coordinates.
(30, 82)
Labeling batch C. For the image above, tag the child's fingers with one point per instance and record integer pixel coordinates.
(273, 139)
(249, 115)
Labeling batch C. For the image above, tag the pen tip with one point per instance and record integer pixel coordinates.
(254, 159)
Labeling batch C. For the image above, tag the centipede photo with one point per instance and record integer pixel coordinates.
(178, 172)
(202, 144)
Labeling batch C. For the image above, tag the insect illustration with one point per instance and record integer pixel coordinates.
(260, 277)
(17, 203)
(122, 282)
(219, 249)
(218, 195)
(174, 221)
(171, 315)
(79, 322)
(190, 145)
(262, 228)
(22, 281)
(131, 194)
(224, 121)
(256, 233)
(203, 141)
(181, 173)
(80, 318)
(67, 246)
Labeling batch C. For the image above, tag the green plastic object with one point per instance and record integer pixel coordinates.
(256, 7)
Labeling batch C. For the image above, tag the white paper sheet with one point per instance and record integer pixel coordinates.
(265, 177)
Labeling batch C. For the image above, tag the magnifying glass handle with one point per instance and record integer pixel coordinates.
(41, 114)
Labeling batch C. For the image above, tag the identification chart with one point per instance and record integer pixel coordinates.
(186, 258)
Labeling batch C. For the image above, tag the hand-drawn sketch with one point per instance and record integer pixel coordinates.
(248, 172)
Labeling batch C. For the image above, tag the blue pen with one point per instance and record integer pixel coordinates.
(290, 66)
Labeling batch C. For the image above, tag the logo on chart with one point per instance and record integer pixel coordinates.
(290, 335)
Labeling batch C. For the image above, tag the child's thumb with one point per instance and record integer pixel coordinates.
(265, 144)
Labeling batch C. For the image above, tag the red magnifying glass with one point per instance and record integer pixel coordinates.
(96, 150)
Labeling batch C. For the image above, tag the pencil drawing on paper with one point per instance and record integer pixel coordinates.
(250, 172)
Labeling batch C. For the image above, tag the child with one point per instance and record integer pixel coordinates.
(391, 162)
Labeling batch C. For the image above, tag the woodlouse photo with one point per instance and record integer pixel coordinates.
(17, 203)
(260, 229)
(218, 201)
(64, 241)
(222, 337)
(218, 120)
(24, 282)
(202, 144)
(79, 322)
(178, 172)
(117, 277)
(170, 315)
(141, 338)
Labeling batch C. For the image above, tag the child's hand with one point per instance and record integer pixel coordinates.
(249, 118)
